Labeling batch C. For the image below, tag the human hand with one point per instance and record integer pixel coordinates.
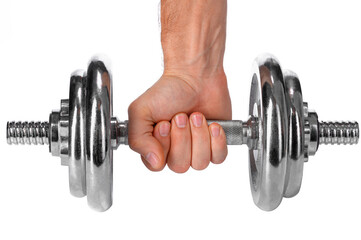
(167, 123)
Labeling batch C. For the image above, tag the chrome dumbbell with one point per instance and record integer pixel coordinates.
(281, 133)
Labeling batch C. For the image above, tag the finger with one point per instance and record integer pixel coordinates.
(201, 150)
(179, 156)
(162, 134)
(141, 139)
(218, 143)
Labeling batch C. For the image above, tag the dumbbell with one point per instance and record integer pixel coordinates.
(281, 133)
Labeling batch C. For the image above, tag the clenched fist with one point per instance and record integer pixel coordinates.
(167, 123)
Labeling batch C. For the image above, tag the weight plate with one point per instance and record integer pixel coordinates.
(267, 163)
(99, 153)
(296, 139)
(77, 114)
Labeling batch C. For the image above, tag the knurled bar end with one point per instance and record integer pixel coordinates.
(346, 133)
(27, 133)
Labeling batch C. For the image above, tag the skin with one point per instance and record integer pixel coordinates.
(167, 123)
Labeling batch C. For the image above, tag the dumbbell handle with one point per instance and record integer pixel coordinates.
(237, 132)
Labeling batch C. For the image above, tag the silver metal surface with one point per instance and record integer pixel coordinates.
(281, 133)
(268, 163)
(99, 153)
(338, 133)
(312, 132)
(27, 133)
(296, 140)
(306, 132)
(119, 132)
(77, 146)
(239, 132)
(233, 130)
(54, 145)
(59, 132)
(64, 132)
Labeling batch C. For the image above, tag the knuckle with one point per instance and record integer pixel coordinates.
(196, 113)
(133, 107)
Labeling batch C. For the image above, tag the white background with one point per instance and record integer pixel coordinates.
(42, 42)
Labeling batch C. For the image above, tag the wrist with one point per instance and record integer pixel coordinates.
(193, 37)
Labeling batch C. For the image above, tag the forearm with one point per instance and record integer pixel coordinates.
(193, 37)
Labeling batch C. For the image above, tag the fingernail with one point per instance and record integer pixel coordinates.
(181, 120)
(152, 159)
(197, 120)
(215, 131)
(164, 129)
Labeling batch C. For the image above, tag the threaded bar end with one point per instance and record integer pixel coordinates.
(346, 133)
(27, 133)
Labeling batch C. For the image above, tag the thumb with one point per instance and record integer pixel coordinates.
(141, 139)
